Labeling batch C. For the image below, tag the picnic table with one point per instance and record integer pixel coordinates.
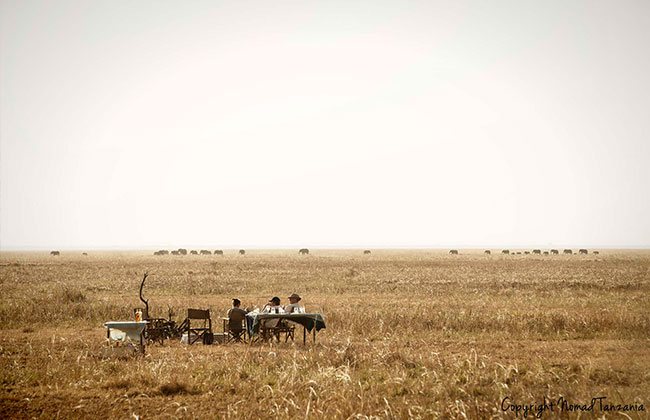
(311, 322)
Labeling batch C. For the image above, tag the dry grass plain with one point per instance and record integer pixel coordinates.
(410, 334)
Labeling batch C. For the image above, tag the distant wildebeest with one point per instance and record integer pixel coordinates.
(366, 252)
(182, 251)
(487, 252)
(518, 253)
(526, 252)
(242, 252)
(537, 251)
(55, 253)
(205, 252)
(157, 253)
(567, 251)
(545, 252)
(218, 252)
(84, 253)
(595, 252)
(176, 253)
(453, 252)
(583, 251)
(304, 251)
(555, 251)
(194, 252)
(505, 251)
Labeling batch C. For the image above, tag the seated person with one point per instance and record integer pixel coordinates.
(273, 307)
(293, 306)
(236, 316)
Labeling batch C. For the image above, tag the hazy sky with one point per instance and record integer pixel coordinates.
(324, 124)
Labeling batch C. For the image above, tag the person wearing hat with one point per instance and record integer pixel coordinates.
(272, 307)
(293, 306)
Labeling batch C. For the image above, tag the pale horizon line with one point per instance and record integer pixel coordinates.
(297, 247)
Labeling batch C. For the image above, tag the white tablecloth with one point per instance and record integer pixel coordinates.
(123, 330)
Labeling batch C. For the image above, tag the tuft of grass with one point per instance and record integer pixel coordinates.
(119, 383)
(175, 387)
(69, 294)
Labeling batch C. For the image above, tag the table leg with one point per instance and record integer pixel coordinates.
(314, 331)
(304, 335)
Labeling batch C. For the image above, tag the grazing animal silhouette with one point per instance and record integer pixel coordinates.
(453, 252)
(537, 251)
(304, 251)
(505, 251)
(182, 251)
(545, 252)
(366, 252)
(518, 253)
(583, 251)
(205, 252)
(218, 252)
(555, 251)
(176, 253)
(157, 253)
(194, 252)
(595, 252)
(242, 252)
(567, 251)
(526, 252)
(487, 252)
(84, 253)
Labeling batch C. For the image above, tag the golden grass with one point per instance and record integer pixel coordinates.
(409, 335)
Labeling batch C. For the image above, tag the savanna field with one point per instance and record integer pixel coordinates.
(410, 334)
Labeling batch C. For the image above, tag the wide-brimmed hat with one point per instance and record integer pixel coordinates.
(275, 299)
(295, 295)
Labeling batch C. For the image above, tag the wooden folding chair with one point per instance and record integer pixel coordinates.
(268, 333)
(205, 331)
(286, 328)
(236, 330)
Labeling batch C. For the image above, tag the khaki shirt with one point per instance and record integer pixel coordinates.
(292, 308)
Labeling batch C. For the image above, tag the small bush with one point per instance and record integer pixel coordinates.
(174, 387)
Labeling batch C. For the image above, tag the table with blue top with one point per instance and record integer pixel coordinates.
(311, 322)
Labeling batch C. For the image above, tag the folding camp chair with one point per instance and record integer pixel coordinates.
(286, 328)
(204, 332)
(235, 329)
(268, 331)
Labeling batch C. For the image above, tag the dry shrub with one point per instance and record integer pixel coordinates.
(68, 294)
(118, 383)
(176, 387)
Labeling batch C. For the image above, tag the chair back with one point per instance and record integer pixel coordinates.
(204, 332)
(198, 314)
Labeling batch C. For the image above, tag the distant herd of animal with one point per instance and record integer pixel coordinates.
(305, 251)
(581, 251)
(183, 251)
